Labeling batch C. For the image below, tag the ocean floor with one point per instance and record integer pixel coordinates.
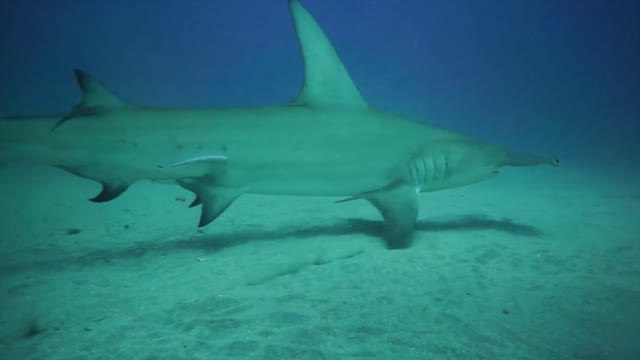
(538, 263)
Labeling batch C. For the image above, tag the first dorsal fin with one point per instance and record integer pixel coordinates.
(96, 98)
(327, 82)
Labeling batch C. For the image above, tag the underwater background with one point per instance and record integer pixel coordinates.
(560, 76)
(535, 264)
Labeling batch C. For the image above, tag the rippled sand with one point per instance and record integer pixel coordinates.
(535, 264)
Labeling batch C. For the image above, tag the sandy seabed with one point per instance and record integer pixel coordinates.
(538, 263)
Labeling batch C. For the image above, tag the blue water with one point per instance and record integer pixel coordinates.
(557, 76)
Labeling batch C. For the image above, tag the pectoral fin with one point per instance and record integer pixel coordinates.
(399, 209)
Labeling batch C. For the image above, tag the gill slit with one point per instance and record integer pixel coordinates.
(425, 178)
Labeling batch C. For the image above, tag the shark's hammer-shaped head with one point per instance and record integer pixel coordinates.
(454, 163)
(462, 162)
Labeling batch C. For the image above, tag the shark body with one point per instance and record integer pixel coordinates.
(328, 142)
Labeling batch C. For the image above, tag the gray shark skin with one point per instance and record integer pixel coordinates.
(328, 142)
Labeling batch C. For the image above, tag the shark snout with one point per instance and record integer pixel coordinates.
(521, 159)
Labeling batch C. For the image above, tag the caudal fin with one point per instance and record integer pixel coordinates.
(19, 135)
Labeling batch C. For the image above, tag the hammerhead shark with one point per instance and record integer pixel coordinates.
(328, 142)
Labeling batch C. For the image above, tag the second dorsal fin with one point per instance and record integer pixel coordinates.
(96, 98)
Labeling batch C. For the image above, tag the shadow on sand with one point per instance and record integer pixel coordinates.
(214, 243)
